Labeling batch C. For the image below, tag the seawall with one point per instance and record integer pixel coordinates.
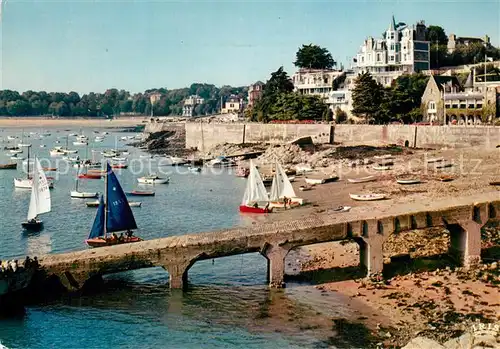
(421, 136)
(204, 135)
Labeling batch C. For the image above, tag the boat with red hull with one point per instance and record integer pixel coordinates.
(90, 176)
(251, 209)
(101, 241)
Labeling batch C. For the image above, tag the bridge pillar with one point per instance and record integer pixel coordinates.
(275, 256)
(465, 242)
(178, 274)
(371, 255)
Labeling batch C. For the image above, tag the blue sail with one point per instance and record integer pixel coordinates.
(98, 226)
(119, 215)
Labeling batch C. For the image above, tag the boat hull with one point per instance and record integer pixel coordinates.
(153, 181)
(33, 226)
(27, 183)
(361, 180)
(89, 176)
(140, 193)
(101, 242)
(369, 197)
(8, 167)
(83, 195)
(408, 181)
(251, 209)
(314, 181)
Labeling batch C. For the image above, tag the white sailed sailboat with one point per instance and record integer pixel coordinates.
(255, 199)
(282, 188)
(40, 199)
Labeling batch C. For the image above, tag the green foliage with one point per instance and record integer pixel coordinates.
(278, 102)
(114, 102)
(340, 115)
(366, 97)
(314, 57)
(463, 54)
(436, 34)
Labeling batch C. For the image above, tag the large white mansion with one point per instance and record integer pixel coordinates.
(402, 50)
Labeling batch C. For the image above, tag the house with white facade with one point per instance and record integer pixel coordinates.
(402, 50)
(190, 103)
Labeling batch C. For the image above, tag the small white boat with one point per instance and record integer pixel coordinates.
(222, 161)
(130, 203)
(80, 143)
(146, 156)
(71, 151)
(174, 160)
(83, 195)
(109, 153)
(116, 158)
(15, 157)
(24, 145)
(291, 178)
(408, 181)
(11, 138)
(98, 140)
(25, 183)
(16, 151)
(381, 168)
(42, 145)
(303, 169)
(340, 209)
(153, 179)
(305, 188)
(123, 138)
(125, 153)
(195, 169)
(362, 179)
(314, 181)
(367, 197)
(433, 160)
(57, 152)
(383, 157)
(72, 135)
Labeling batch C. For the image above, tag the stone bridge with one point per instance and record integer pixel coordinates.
(463, 217)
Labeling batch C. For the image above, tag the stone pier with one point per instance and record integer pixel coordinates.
(463, 216)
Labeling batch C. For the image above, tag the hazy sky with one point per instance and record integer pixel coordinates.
(63, 45)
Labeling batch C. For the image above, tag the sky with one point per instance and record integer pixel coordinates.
(84, 46)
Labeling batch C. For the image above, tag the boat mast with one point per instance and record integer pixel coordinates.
(28, 172)
(105, 200)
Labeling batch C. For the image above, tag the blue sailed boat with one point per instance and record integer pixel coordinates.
(113, 215)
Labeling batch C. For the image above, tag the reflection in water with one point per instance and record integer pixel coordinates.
(38, 244)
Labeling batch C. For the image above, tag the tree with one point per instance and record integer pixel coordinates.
(313, 57)
(402, 101)
(279, 82)
(366, 97)
(340, 115)
(435, 34)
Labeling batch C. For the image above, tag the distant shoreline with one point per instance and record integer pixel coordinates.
(48, 122)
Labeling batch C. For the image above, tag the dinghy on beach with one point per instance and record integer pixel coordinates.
(255, 199)
(367, 197)
(362, 179)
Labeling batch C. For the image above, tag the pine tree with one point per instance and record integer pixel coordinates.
(366, 97)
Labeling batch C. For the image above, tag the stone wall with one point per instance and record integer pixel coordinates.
(426, 136)
(204, 136)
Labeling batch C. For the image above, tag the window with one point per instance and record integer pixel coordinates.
(231, 105)
(392, 47)
(391, 58)
(378, 57)
(432, 105)
(392, 35)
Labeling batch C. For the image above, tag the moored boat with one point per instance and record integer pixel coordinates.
(153, 179)
(141, 193)
(113, 215)
(381, 167)
(8, 166)
(433, 160)
(314, 181)
(305, 187)
(281, 190)
(367, 197)
(90, 175)
(195, 169)
(119, 165)
(408, 181)
(362, 179)
(96, 203)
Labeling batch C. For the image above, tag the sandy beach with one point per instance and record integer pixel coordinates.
(44, 123)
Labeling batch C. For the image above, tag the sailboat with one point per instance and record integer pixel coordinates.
(113, 215)
(27, 183)
(81, 194)
(282, 188)
(255, 196)
(40, 199)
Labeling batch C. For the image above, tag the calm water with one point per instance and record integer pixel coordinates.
(228, 304)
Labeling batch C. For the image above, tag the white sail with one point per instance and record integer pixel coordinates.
(40, 193)
(281, 186)
(255, 191)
